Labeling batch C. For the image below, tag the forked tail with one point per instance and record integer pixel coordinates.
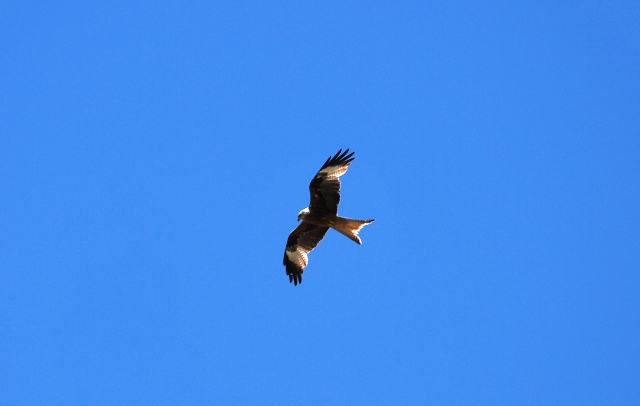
(350, 227)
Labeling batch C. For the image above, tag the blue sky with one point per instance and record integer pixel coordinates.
(154, 157)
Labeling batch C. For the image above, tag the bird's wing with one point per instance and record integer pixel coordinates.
(301, 241)
(325, 186)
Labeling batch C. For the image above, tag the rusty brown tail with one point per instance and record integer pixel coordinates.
(350, 227)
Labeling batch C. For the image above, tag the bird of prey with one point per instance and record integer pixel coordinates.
(321, 215)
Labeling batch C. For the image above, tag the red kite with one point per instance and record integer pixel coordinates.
(321, 215)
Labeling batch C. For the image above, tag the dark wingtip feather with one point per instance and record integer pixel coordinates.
(295, 278)
(339, 158)
(346, 157)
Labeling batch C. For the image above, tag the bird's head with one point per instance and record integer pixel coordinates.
(303, 213)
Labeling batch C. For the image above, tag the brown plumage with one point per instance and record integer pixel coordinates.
(321, 215)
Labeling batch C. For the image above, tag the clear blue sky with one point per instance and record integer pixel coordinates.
(154, 157)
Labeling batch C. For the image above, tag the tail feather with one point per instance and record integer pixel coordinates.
(350, 227)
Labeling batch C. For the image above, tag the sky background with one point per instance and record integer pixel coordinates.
(154, 157)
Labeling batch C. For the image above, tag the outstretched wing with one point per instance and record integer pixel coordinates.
(301, 241)
(325, 186)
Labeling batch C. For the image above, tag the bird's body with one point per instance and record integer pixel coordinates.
(321, 215)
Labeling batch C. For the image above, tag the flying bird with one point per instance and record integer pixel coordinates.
(320, 216)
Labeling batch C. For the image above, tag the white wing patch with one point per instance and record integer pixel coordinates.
(298, 257)
(336, 171)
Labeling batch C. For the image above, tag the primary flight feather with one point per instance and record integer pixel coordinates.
(321, 215)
